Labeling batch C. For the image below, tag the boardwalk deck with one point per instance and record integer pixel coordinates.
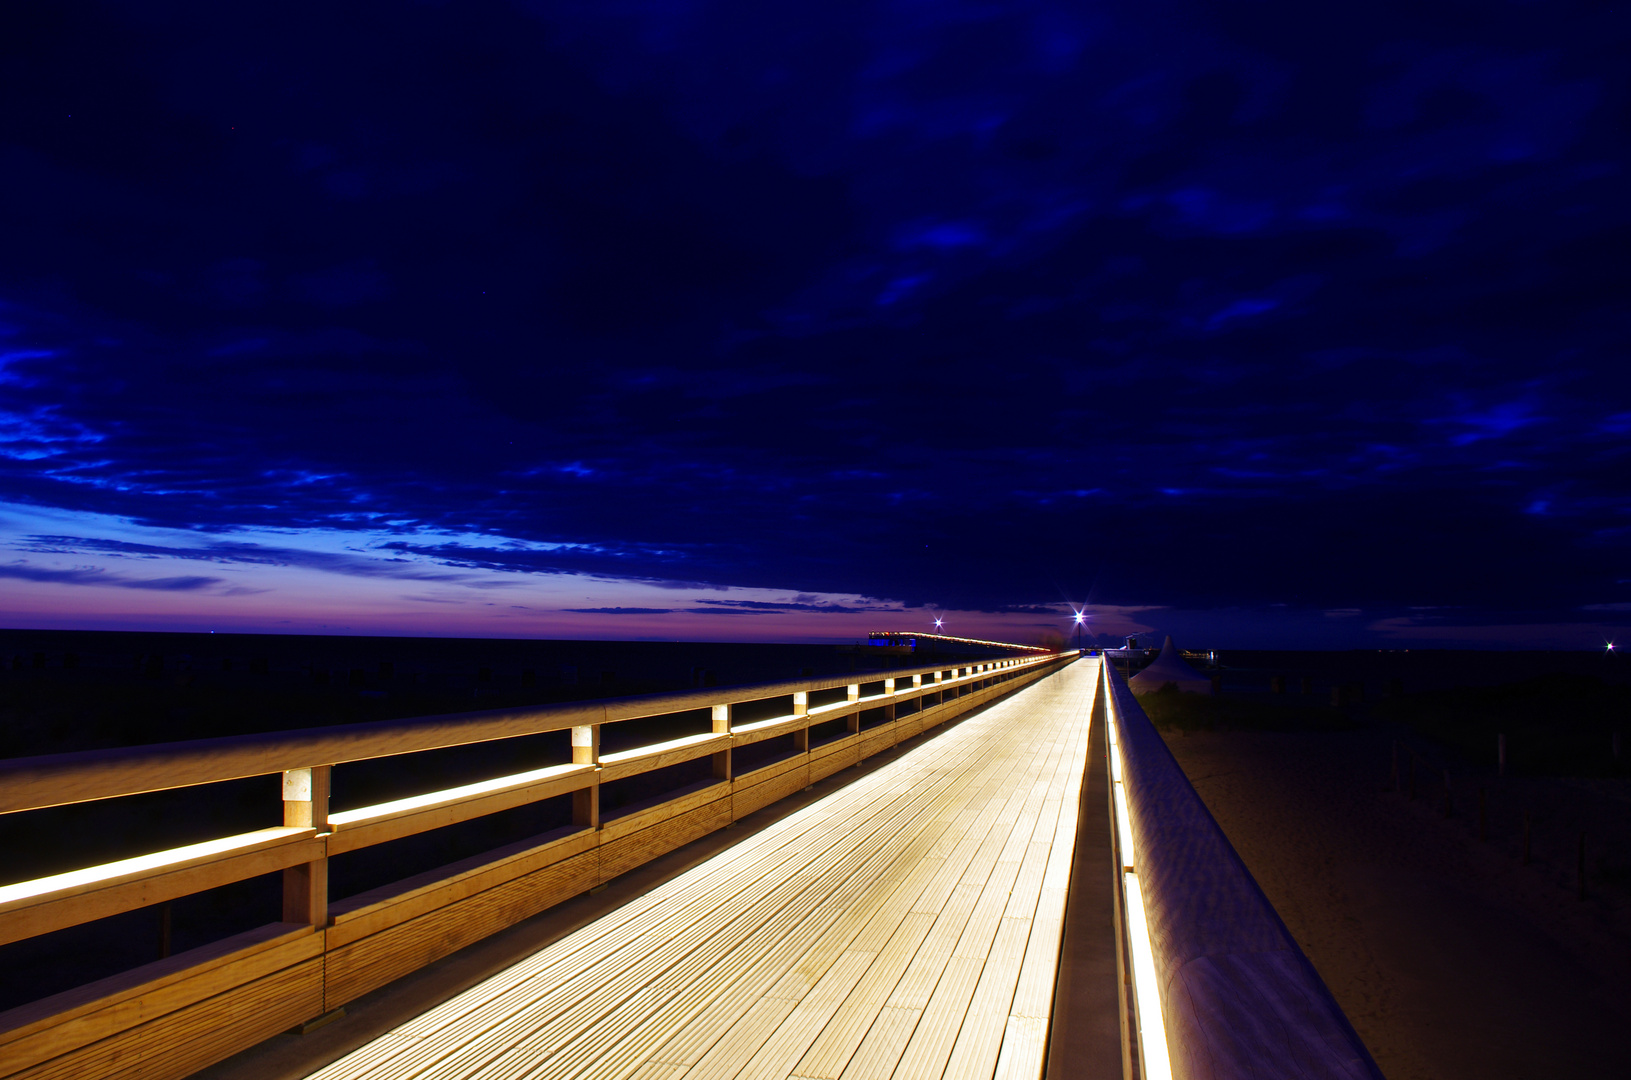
(906, 926)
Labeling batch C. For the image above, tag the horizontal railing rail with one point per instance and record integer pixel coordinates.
(34, 783)
(1234, 994)
(321, 955)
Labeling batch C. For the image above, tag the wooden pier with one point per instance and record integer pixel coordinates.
(907, 926)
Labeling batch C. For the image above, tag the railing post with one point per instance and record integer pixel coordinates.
(889, 690)
(801, 703)
(722, 726)
(586, 751)
(305, 806)
(852, 694)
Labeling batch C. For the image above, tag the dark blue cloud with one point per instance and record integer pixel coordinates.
(252, 554)
(985, 307)
(92, 575)
(714, 606)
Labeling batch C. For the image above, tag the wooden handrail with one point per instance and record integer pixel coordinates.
(1238, 997)
(369, 825)
(33, 783)
(30, 908)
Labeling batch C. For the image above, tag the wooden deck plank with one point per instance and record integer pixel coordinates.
(591, 993)
(831, 1052)
(882, 981)
(720, 1018)
(612, 1028)
(980, 1038)
(698, 894)
(880, 833)
(838, 939)
(690, 1042)
(880, 1051)
(806, 1038)
(776, 1058)
(899, 927)
(930, 1046)
(558, 992)
(1024, 1046)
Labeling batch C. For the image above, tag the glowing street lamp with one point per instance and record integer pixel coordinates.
(1080, 618)
(939, 622)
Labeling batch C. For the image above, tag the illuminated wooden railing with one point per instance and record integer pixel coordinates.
(1214, 986)
(177, 1015)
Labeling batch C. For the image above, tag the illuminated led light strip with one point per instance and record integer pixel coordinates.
(1152, 1029)
(1152, 1038)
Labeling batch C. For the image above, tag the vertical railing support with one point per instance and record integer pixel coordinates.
(586, 751)
(722, 726)
(889, 690)
(852, 694)
(305, 806)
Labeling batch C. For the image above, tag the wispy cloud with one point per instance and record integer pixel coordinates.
(770, 605)
(249, 554)
(91, 575)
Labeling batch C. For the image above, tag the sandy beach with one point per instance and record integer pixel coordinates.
(1451, 957)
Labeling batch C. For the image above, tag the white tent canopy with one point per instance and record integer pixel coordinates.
(1169, 667)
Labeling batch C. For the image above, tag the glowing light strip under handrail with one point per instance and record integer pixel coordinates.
(1152, 1030)
(1152, 1038)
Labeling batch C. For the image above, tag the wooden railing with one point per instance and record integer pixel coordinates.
(177, 1015)
(1215, 985)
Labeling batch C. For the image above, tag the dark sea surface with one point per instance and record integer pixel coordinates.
(1409, 671)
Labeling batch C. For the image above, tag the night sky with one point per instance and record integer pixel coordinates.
(1263, 323)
